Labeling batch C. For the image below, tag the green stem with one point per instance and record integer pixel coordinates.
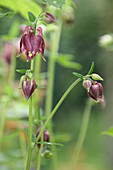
(55, 38)
(57, 106)
(40, 150)
(36, 77)
(30, 129)
(82, 134)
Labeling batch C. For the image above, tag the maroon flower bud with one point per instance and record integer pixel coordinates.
(46, 136)
(49, 18)
(32, 44)
(96, 92)
(28, 86)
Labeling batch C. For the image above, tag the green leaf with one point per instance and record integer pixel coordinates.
(78, 75)
(24, 71)
(108, 132)
(56, 3)
(49, 143)
(31, 16)
(21, 71)
(27, 132)
(9, 14)
(91, 69)
(22, 6)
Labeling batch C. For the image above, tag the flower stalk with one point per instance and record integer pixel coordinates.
(57, 106)
(30, 128)
(55, 38)
(82, 133)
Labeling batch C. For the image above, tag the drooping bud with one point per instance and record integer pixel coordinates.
(96, 77)
(96, 92)
(28, 86)
(46, 136)
(49, 18)
(87, 84)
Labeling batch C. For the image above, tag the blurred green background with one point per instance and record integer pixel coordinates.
(80, 38)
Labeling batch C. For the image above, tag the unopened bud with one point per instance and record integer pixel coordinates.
(87, 84)
(28, 86)
(96, 77)
(49, 18)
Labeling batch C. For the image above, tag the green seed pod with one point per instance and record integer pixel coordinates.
(96, 77)
(48, 154)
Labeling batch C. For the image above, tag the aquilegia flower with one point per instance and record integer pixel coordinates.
(28, 86)
(49, 18)
(96, 92)
(32, 44)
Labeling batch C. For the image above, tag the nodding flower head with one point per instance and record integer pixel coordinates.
(49, 18)
(32, 44)
(96, 92)
(46, 136)
(28, 86)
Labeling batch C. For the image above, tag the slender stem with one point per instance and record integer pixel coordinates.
(30, 129)
(36, 77)
(57, 106)
(82, 134)
(55, 38)
(40, 150)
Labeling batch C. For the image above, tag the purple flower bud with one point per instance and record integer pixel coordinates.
(96, 92)
(28, 87)
(49, 18)
(46, 136)
(32, 44)
(87, 84)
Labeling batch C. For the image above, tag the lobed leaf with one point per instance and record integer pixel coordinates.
(56, 3)
(22, 6)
